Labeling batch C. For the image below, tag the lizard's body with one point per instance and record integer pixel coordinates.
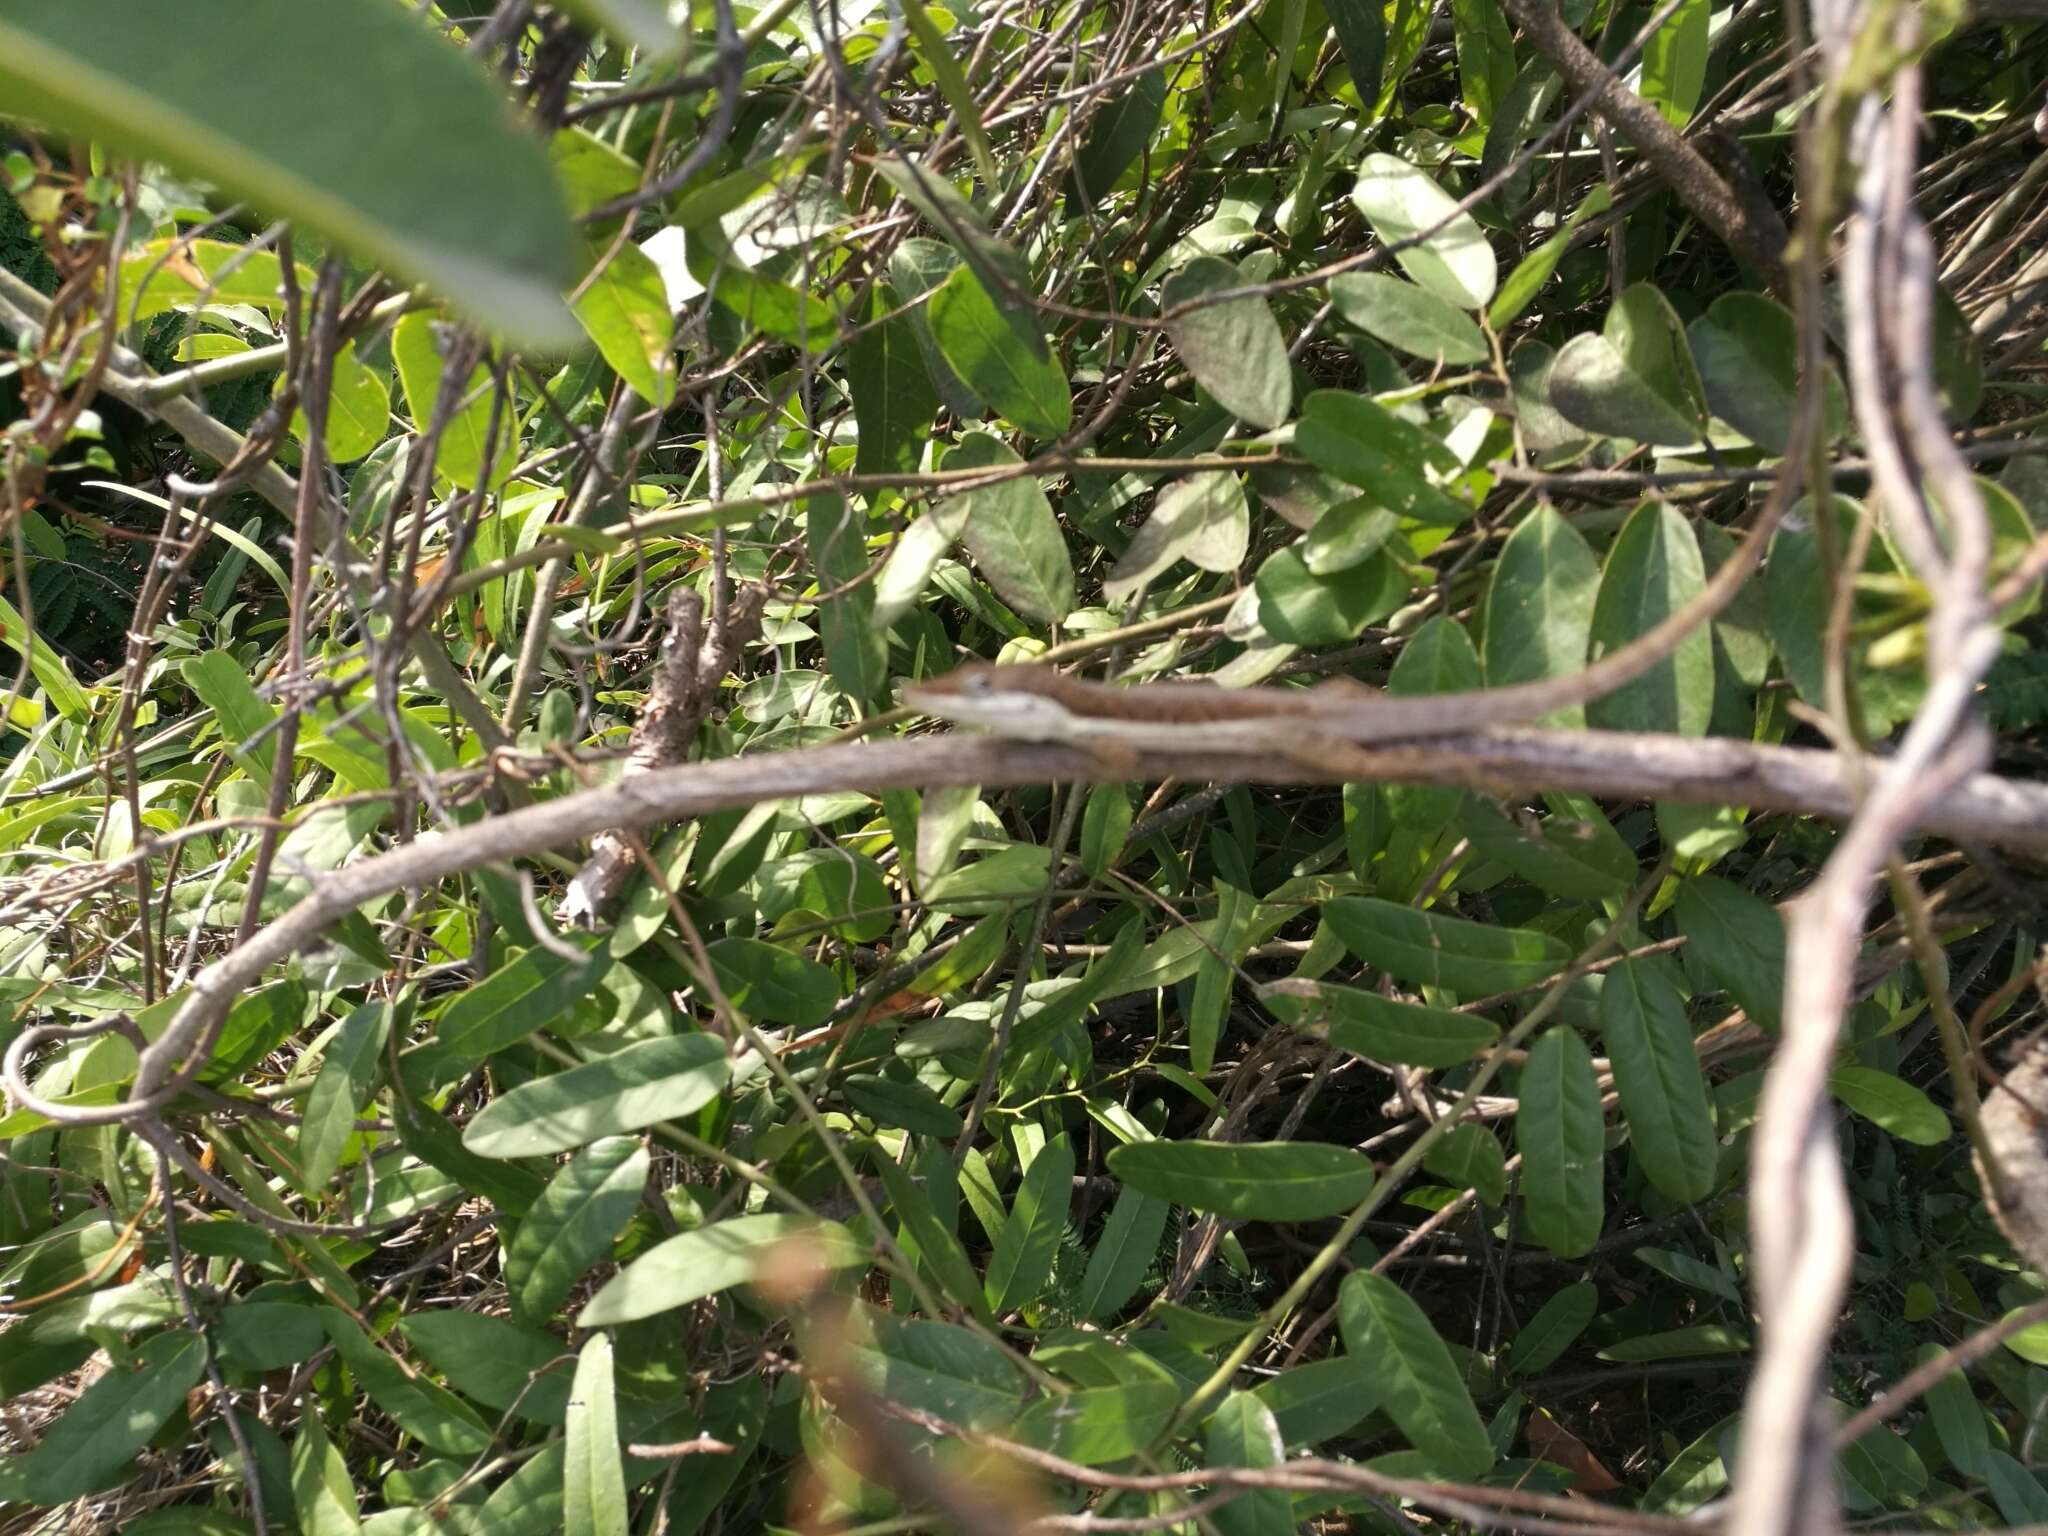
(1037, 704)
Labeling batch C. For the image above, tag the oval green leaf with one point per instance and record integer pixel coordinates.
(1401, 203)
(1234, 348)
(1421, 1388)
(1429, 949)
(634, 1087)
(1663, 1092)
(1248, 1180)
(1559, 1132)
(571, 1226)
(712, 1259)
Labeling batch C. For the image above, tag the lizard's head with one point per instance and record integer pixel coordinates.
(994, 698)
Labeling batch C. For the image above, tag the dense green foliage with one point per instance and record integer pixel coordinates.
(789, 1154)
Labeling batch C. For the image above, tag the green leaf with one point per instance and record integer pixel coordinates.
(931, 49)
(1663, 1092)
(1891, 1104)
(1233, 348)
(1420, 1388)
(1317, 1402)
(1653, 570)
(1747, 348)
(1349, 534)
(1298, 607)
(255, 105)
(1534, 269)
(174, 274)
(432, 1414)
(632, 1087)
(1554, 1328)
(2015, 1490)
(347, 1070)
(1539, 607)
(44, 664)
(909, 1106)
(1361, 441)
(466, 442)
(1020, 1265)
(571, 1226)
(624, 309)
(893, 399)
(1244, 1433)
(247, 723)
(1216, 974)
(536, 990)
(936, 1242)
(1470, 1157)
(1098, 1425)
(712, 1259)
(936, 1368)
(1387, 1029)
(1400, 202)
(1679, 1344)
(1361, 28)
(1011, 533)
(1958, 1418)
(1105, 823)
(1559, 1133)
(1125, 1250)
(358, 410)
(593, 1473)
(1248, 1180)
(1738, 939)
(1117, 135)
(1636, 379)
(1001, 354)
(773, 983)
(1201, 519)
(1429, 949)
(89, 1447)
(1687, 1270)
(323, 1493)
(1674, 70)
(1439, 658)
(1408, 317)
(499, 1363)
(1582, 857)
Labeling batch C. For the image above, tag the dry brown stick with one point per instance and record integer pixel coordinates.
(1753, 231)
(1723, 772)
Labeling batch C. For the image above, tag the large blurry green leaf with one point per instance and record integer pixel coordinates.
(1420, 1387)
(1452, 259)
(89, 1446)
(1234, 349)
(322, 113)
(1250, 1180)
(999, 350)
(630, 1088)
(1738, 940)
(1559, 1133)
